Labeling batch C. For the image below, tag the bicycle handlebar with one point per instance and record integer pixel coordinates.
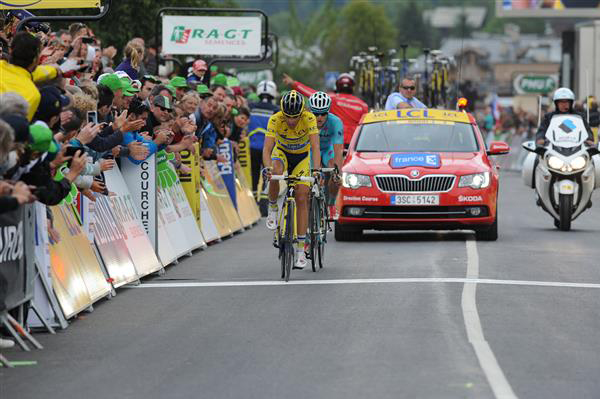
(293, 178)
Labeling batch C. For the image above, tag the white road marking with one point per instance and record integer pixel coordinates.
(266, 283)
(487, 360)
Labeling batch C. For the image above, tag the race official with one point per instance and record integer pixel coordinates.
(405, 96)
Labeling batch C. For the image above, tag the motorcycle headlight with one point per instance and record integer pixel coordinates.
(477, 180)
(354, 181)
(578, 163)
(555, 162)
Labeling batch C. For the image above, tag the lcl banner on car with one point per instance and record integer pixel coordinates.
(212, 35)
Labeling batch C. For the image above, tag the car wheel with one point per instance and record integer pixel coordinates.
(489, 233)
(344, 233)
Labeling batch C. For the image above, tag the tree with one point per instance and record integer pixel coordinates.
(412, 29)
(359, 26)
(301, 54)
(128, 19)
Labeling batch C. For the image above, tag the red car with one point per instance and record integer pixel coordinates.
(419, 169)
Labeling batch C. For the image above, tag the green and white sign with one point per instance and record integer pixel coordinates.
(535, 84)
(223, 36)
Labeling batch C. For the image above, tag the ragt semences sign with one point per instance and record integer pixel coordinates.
(223, 36)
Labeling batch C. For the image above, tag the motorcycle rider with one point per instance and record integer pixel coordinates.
(563, 102)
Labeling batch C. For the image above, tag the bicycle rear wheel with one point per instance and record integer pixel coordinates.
(281, 241)
(289, 240)
(313, 220)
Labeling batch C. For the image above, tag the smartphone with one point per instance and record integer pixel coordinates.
(92, 116)
(88, 40)
(71, 151)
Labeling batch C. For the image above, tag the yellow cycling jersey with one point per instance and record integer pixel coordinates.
(293, 140)
(19, 80)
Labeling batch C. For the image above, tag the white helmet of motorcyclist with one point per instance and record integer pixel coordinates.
(267, 87)
(563, 93)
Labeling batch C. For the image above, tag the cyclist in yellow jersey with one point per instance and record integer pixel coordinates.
(292, 135)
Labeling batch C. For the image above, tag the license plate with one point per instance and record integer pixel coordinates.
(415, 200)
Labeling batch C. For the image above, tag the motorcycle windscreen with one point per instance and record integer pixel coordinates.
(566, 131)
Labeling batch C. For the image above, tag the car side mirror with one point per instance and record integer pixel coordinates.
(498, 148)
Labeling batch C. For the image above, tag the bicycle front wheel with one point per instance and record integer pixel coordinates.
(290, 227)
(324, 226)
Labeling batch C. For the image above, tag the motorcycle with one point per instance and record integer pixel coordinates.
(565, 172)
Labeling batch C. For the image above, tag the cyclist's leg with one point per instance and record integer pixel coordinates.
(327, 158)
(279, 163)
(333, 187)
(300, 166)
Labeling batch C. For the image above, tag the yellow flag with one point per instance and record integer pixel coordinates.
(48, 4)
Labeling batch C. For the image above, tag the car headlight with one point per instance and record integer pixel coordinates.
(477, 180)
(354, 181)
(555, 162)
(578, 163)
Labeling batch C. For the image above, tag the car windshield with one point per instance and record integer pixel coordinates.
(419, 136)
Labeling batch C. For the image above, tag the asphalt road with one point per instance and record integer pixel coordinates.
(394, 316)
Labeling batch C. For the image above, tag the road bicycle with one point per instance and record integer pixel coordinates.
(318, 222)
(286, 236)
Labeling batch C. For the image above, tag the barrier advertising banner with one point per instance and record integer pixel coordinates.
(245, 159)
(169, 228)
(214, 201)
(109, 236)
(226, 169)
(77, 277)
(44, 297)
(212, 35)
(208, 225)
(247, 190)
(137, 241)
(12, 260)
(244, 205)
(169, 183)
(213, 177)
(141, 181)
(190, 182)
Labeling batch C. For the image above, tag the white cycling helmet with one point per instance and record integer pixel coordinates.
(319, 102)
(267, 87)
(563, 93)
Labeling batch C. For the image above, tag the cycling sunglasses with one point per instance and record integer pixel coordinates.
(320, 113)
(409, 87)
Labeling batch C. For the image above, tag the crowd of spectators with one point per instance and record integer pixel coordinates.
(72, 107)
